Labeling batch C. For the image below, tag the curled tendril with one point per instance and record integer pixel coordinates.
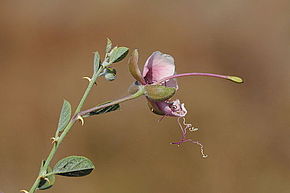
(188, 127)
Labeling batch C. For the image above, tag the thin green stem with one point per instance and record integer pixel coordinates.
(65, 131)
(91, 84)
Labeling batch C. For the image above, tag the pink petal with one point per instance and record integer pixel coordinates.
(157, 67)
(167, 108)
(171, 83)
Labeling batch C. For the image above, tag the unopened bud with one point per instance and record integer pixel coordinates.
(110, 74)
(158, 92)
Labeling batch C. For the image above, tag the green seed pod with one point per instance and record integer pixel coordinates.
(158, 92)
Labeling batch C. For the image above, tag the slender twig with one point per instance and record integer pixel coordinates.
(59, 139)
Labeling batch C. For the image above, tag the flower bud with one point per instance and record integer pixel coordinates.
(110, 74)
(158, 92)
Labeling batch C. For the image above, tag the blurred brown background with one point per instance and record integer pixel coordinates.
(46, 47)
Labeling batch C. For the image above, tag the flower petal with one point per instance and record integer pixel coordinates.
(167, 108)
(171, 83)
(158, 66)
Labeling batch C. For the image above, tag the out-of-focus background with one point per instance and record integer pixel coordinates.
(46, 47)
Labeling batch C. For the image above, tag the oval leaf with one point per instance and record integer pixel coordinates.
(118, 54)
(73, 166)
(65, 115)
(96, 61)
(47, 182)
(109, 45)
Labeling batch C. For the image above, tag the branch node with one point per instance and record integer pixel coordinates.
(54, 139)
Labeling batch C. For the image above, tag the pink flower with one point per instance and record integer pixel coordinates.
(159, 83)
(159, 69)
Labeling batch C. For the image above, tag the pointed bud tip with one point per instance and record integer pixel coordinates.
(235, 79)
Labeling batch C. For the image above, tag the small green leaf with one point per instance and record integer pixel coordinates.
(73, 166)
(96, 61)
(104, 110)
(109, 45)
(65, 115)
(46, 183)
(118, 54)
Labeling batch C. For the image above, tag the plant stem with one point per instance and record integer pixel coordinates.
(65, 131)
(140, 92)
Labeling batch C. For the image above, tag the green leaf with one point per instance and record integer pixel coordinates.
(118, 54)
(96, 61)
(109, 45)
(48, 182)
(65, 115)
(104, 110)
(73, 166)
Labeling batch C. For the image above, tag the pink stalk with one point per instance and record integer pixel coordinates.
(232, 78)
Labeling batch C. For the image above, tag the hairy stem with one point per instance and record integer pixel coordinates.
(59, 139)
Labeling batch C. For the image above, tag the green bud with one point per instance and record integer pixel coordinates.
(110, 74)
(158, 92)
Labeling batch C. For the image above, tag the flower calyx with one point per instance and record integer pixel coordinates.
(158, 92)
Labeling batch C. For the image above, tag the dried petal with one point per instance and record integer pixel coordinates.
(133, 67)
